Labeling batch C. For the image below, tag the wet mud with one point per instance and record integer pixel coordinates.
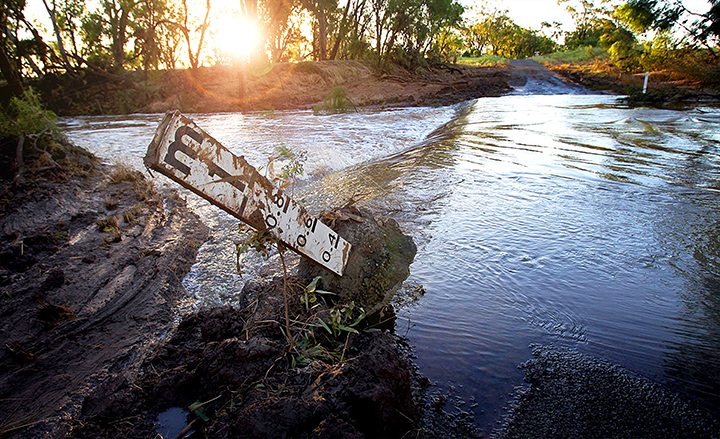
(90, 280)
(239, 366)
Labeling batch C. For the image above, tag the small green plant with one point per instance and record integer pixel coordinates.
(335, 102)
(109, 225)
(310, 298)
(343, 319)
(293, 166)
(309, 351)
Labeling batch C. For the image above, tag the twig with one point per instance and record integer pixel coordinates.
(19, 162)
(185, 430)
(281, 249)
(342, 356)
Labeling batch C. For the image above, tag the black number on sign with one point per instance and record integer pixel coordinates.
(334, 240)
(271, 221)
(310, 223)
(279, 200)
(301, 241)
(326, 256)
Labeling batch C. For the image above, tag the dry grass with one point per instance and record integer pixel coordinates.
(123, 173)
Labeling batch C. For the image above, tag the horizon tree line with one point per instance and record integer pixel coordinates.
(119, 35)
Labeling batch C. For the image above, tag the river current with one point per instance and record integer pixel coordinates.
(568, 220)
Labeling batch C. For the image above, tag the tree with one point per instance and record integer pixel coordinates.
(320, 11)
(279, 29)
(702, 28)
(498, 35)
(10, 14)
(185, 27)
(53, 13)
(14, 50)
(106, 32)
(590, 22)
(150, 15)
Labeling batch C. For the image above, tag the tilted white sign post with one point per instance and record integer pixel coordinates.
(192, 158)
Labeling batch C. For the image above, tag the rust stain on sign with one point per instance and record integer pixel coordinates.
(188, 155)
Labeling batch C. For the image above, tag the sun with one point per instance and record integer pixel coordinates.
(238, 38)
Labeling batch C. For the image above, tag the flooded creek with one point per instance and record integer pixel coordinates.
(564, 220)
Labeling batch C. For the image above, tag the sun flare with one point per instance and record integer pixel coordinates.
(238, 38)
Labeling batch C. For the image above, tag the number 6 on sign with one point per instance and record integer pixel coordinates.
(189, 156)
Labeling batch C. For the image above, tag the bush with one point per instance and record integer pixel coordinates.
(335, 102)
(27, 116)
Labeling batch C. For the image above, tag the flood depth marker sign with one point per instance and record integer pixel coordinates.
(192, 158)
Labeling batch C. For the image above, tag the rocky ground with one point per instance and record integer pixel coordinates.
(571, 395)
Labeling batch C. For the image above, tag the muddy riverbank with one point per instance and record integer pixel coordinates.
(91, 264)
(281, 86)
(309, 85)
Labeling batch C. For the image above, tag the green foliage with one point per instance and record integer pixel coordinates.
(498, 35)
(343, 318)
(643, 15)
(591, 22)
(485, 60)
(309, 351)
(293, 167)
(626, 55)
(310, 296)
(637, 15)
(25, 116)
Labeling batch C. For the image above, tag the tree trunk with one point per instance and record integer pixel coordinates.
(342, 32)
(10, 73)
(322, 32)
(58, 37)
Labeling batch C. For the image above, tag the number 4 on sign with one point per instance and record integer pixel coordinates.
(189, 156)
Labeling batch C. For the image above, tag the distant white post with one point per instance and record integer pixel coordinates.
(647, 76)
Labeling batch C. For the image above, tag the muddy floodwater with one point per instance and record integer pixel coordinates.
(568, 220)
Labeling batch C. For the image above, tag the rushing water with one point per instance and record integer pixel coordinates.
(565, 220)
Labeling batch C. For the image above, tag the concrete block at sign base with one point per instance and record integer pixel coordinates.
(378, 263)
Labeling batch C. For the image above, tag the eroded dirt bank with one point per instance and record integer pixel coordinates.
(278, 87)
(91, 263)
